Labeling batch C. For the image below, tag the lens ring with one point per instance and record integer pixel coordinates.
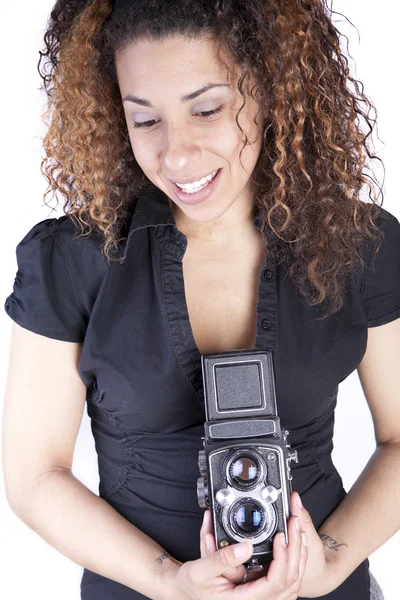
(244, 470)
(247, 517)
(269, 524)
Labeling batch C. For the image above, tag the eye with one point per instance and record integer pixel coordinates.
(144, 124)
(210, 113)
(205, 114)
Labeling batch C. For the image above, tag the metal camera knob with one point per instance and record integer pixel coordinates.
(202, 462)
(293, 456)
(202, 492)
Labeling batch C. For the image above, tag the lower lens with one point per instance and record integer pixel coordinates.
(248, 517)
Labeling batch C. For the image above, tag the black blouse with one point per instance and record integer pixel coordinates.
(142, 368)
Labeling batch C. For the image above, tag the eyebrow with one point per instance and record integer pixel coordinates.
(143, 102)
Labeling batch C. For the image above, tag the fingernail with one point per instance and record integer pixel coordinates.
(283, 539)
(241, 549)
(304, 538)
(299, 502)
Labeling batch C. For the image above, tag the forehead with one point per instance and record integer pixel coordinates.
(176, 59)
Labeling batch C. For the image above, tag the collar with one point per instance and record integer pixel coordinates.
(153, 209)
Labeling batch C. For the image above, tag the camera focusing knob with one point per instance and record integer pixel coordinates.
(202, 462)
(202, 492)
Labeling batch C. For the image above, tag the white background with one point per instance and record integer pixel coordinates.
(30, 567)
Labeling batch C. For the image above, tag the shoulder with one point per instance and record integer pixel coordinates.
(58, 279)
(61, 227)
(380, 292)
(86, 264)
(386, 246)
(83, 251)
(386, 222)
(58, 242)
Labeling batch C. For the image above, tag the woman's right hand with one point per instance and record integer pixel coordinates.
(203, 579)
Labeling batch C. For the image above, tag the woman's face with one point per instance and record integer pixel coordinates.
(161, 85)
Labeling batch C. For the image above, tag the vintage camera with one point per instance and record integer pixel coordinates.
(245, 465)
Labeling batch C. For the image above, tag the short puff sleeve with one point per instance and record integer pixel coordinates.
(381, 291)
(44, 299)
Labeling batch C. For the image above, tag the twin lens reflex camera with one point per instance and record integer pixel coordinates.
(245, 476)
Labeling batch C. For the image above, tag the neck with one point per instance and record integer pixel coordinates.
(234, 224)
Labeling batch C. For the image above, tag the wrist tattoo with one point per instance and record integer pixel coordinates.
(162, 557)
(331, 544)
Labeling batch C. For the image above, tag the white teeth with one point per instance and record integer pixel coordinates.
(190, 188)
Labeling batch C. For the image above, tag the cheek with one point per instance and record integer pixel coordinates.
(143, 153)
(245, 156)
(226, 140)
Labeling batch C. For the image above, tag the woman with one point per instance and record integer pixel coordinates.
(210, 151)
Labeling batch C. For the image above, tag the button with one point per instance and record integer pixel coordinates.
(268, 274)
(266, 323)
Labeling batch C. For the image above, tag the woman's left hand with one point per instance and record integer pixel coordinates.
(318, 578)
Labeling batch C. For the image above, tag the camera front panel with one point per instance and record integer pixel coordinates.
(248, 494)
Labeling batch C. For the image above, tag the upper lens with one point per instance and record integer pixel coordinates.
(244, 470)
(248, 517)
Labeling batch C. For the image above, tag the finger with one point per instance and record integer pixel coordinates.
(208, 547)
(277, 573)
(234, 574)
(222, 560)
(304, 553)
(284, 570)
(208, 534)
(295, 549)
(313, 540)
(210, 544)
(203, 531)
(275, 580)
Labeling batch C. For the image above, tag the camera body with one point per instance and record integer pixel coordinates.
(245, 476)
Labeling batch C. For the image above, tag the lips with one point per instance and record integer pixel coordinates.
(190, 181)
(200, 195)
(200, 187)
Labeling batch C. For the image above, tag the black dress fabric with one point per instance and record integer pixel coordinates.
(142, 368)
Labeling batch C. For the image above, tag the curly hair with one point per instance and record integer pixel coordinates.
(309, 174)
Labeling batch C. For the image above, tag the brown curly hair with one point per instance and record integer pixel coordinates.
(309, 174)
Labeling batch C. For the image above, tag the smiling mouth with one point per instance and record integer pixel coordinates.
(199, 185)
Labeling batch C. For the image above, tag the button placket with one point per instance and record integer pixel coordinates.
(266, 306)
(177, 313)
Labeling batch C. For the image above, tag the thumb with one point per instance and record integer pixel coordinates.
(222, 560)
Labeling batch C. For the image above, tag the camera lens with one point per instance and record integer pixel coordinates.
(247, 517)
(244, 470)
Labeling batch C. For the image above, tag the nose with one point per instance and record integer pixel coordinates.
(180, 149)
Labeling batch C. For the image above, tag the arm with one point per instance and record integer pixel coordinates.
(88, 531)
(369, 515)
(43, 407)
